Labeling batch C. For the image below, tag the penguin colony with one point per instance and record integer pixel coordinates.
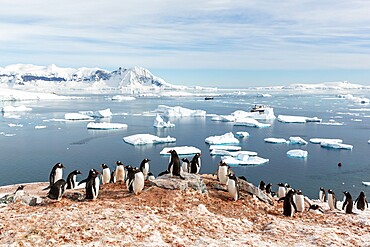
(134, 178)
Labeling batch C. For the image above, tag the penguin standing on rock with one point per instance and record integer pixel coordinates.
(289, 205)
(106, 174)
(281, 190)
(222, 173)
(361, 202)
(19, 193)
(57, 190)
(185, 166)
(262, 185)
(144, 167)
(72, 179)
(322, 194)
(174, 166)
(195, 164)
(332, 200)
(92, 184)
(120, 172)
(348, 203)
(233, 186)
(56, 173)
(268, 188)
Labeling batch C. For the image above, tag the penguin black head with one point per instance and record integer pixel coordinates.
(77, 172)
(287, 185)
(145, 160)
(59, 165)
(347, 194)
(290, 193)
(93, 173)
(330, 191)
(222, 163)
(314, 207)
(231, 176)
(119, 163)
(185, 160)
(197, 155)
(104, 166)
(172, 152)
(20, 187)
(322, 189)
(129, 168)
(281, 184)
(362, 194)
(299, 192)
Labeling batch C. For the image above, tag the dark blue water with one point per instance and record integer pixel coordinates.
(29, 155)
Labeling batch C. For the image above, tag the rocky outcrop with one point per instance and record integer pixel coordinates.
(190, 181)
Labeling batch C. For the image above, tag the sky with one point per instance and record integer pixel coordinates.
(208, 43)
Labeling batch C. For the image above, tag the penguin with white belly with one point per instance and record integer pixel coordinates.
(57, 190)
(56, 173)
(130, 175)
(106, 174)
(92, 184)
(348, 203)
(174, 166)
(268, 188)
(185, 166)
(144, 167)
(332, 200)
(262, 185)
(138, 182)
(233, 186)
(281, 190)
(361, 202)
(120, 173)
(195, 164)
(222, 173)
(289, 205)
(299, 201)
(322, 194)
(72, 179)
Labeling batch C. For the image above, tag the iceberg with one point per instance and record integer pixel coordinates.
(223, 118)
(242, 134)
(40, 127)
(225, 147)
(297, 153)
(320, 140)
(98, 114)
(122, 98)
(221, 152)
(297, 140)
(259, 112)
(244, 160)
(275, 140)
(313, 120)
(106, 126)
(77, 116)
(227, 138)
(292, 119)
(181, 150)
(250, 122)
(368, 141)
(178, 111)
(366, 183)
(21, 108)
(160, 123)
(336, 145)
(142, 139)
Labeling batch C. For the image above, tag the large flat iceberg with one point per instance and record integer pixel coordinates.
(320, 140)
(336, 145)
(21, 108)
(297, 140)
(142, 139)
(297, 153)
(292, 119)
(244, 160)
(221, 152)
(227, 138)
(225, 147)
(98, 114)
(178, 111)
(250, 122)
(181, 150)
(258, 112)
(106, 126)
(77, 116)
(275, 140)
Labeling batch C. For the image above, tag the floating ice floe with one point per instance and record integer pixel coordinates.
(320, 140)
(291, 119)
(225, 147)
(259, 112)
(368, 141)
(142, 139)
(40, 127)
(366, 183)
(332, 122)
(21, 108)
(98, 114)
(227, 138)
(244, 160)
(242, 134)
(15, 125)
(122, 98)
(264, 95)
(181, 150)
(250, 122)
(77, 116)
(336, 145)
(223, 118)
(275, 140)
(297, 153)
(7, 135)
(178, 111)
(220, 152)
(361, 100)
(160, 123)
(297, 140)
(106, 126)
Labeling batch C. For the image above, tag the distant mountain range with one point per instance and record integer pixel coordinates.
(27, 76)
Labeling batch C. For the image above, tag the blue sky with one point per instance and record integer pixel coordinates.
(210, 43)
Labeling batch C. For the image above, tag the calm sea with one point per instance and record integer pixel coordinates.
(28, 153)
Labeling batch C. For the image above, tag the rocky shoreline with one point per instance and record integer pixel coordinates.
(171, 217)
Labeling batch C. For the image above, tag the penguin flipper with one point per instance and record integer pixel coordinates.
(47, 188)
(281, 199)
(82, 181)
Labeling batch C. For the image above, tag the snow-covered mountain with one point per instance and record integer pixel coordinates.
(55, 79)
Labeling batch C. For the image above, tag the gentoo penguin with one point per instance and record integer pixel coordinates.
(233, 186)
(144, 167)
(322, 194)
(348, 203)
(195, 164)
(316, 209)
(120, 173)
(223, 171)
(92, 184)
(55, 174)
(281, 190)
(150, 176)
(18, 193)
(269, 188)
(185, 166)
(72, 178)
(174, 166)
(332, 200)
(57, 190)
(113, 176)
(289, 205)
(130, 176)
(105, 175)
(299, 201)
(138, 182)
(361, 202)
(262, 185)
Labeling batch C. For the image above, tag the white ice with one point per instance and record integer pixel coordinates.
(250, 122)
(142, 139)
(19, 95)
(106, 126)
(297, 153)
(266, 114)
(21, 108)
(297, 140)
(292, 119)
(77, 116)
(221, 152)
(178, 111)
(227, 138)
(15, 125)
(275, 140)
(181, 150)
(225, 147)
(160, 123)
(122, 98)
(366, 183)
(336, 145)
(244, 160)
(320, 140)
(242, 134)
(223, 118)
(98, 114)
(40, 127)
